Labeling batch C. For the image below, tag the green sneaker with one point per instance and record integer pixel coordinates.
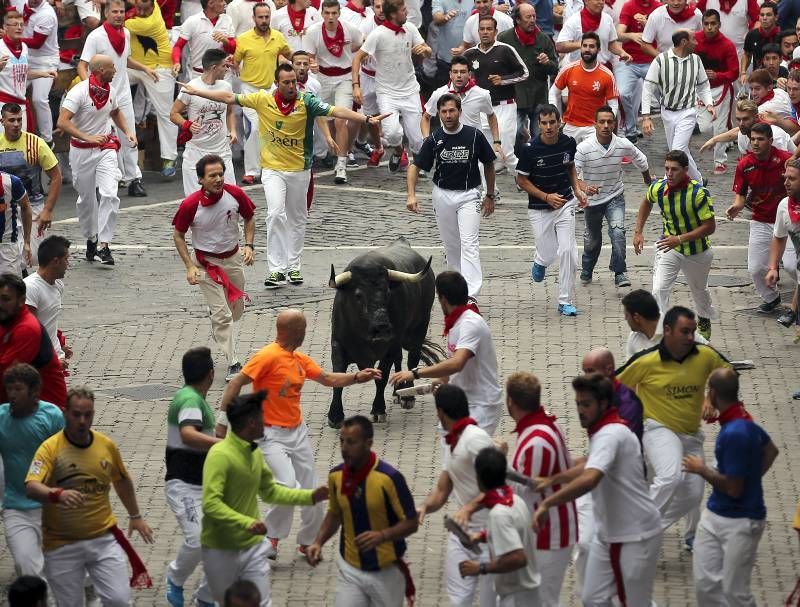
(295, 277)
(275, 280)
(704, 327)
(586, 277)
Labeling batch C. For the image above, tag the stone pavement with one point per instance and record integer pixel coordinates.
(129, 326)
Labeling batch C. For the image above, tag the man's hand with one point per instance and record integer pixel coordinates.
(500, 445)
(3, 58)
(712, 110)
(733, 211)
(71, 498)
(772, 277)
(635, 37)
(258, 528)
(647, 126)
(314, 554)
(193, 275)
(543, 58)
(195, 127)
(176, 69)
(131, 137)
(97, 139)
(583, 201)
(624, 56)
(640, 18)
(693, 464)
(638, 243)
(142, 528)
(668, 243)
(768, 117)
(357, 96)
(495, 79)
(220, 430)
(372, 374)
(498, 149)
(152, 74)
(469, 568)
(743, 77)
(45, 219)
(555, 200)
(487, 206)
(248, 256)
(413, 206)
(27, 255)
(540, 517)
(709, 412)
(320, 494)
(462, 515)
(67, 351)
(421, 512)
(711, 74)
(369, 540)
(400, 377)
(218, 36)
(419, 49)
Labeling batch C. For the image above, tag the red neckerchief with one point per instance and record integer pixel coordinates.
(475, 11)
(360, 10)
(351, 479)
(771, 33)
(610, 3)
(397, 29)
(528, 39)
(590, 22)
(284, 106)
(451, 438)
(451, 318)
(540, 417)
(726, 5)
(375, 17)
(611, 416)
(678, 188)
(297, 18)
(335, 44)
(768, 97)
(470, 83)
(139, 578)
(15, 46)
(733, 412)
(686, 14)
(499, 495)
(209, 198)
(116, 37)
(98, 92)
(794, 210)
(27, 11)
(214, 20)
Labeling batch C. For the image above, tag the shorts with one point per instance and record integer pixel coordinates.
(336, 90)
(11, 258)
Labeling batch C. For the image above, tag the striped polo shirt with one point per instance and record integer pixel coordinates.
(380, 501)
(683, 211)
(680, 81)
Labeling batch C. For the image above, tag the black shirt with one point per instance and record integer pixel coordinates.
(500, 59)
(455, 156)
(754, 41)
(547, 167)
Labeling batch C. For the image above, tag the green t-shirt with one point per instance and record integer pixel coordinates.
(188, 407)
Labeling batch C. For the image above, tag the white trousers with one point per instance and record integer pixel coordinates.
(289, 455)
(287, 215)
(11, 260)
(579, 133)
(462, 590)
(758, 247)
(191, 155)
(369, 94)
(506, 114)
(554, 233)
(409, 108)
(357, 588)
(626, 570)
(585, 539)
(161, 94)
(186, 503)
(224, 567)
(95, 176)
(40, 98)
(252, 142)
(725, 551)
(127, 156)
(719, 124)
(458, 215)
(23, 529)
(675, 493)
(679, 127)
(523, 598)
(102, 559)
(695, 268)
(224, 315)
(552, 565)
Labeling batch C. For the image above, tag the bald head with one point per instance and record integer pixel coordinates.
(599, 360)
(291, 328)
(723, 388)
(98, 62)
(102, 68)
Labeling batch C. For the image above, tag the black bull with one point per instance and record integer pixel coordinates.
(382, 307)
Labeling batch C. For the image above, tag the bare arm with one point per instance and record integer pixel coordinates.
(239, 381)
(176, 113)
(438, 497)
(192, 437)
(54, 174)
(425, 124)
(567, 46)
(27, 219)
(221, 96)
(768, 455)
(729, 485)
(342, 380)
(127, 495)
(83, 69)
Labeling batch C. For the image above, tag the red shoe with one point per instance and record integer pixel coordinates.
(272, 551)
(302, 549)
(626, 160)
(404, 160)
(720, 169)
(375, 157)
(248, 180)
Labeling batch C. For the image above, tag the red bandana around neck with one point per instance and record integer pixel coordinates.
(537, 418)
(377, 21)
(528, 39)
(213, 20)
(768, 97)
(733, 412)
(397, 29)
(361, 10)
(27, 11)
(297, 18)
(351, 479)
(683, 184)
(794, 210)
(451, 438)
(209, 198)
(771, 34)
(116, 37)
(98, 92)
(502, 495)
(475, 11)
(335, 44)
(611, 416)
(590, 22)
(456, 313)
(15, 46)
(726, 5)
(284, 106)
(463, 90)
(686, 14)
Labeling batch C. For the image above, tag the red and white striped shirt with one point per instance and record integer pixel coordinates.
(542, 451)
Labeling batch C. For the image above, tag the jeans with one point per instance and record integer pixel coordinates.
(630, 78)
(614, 212)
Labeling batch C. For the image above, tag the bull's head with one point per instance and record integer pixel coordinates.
(339, 280)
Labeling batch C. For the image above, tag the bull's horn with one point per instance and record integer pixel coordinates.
(338, 280)
(397, 276)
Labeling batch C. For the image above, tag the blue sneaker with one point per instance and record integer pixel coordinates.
(174, 594)
(537, 272)
(688, 544)
(567, 310)
(168, 168)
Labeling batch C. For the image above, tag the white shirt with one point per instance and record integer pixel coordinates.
(197, 31)
(316, 46)
(43, 21)
(86, 117)
(211, 116)
(504, 22)
(366, 27)
(638, 341)
(602, 167)
(460, 467)
(46, 298)
(14, 76)
(660, 26)
(215, 228)
(734, 24)
(414, 10)
(311, 85)
(780, 104)
(97, 43)
(281, 22)
(509, 529)
(241, 14)
(572, 30)
(478, 378)
(477, 101)
(780, 139)
(392, 52)
(783, 223)
(355, 18)
(621, 503)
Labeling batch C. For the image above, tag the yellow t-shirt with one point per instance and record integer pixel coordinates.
(287, 142)
(258, 56)
(149, 40)
(26, 158)
(91, 470)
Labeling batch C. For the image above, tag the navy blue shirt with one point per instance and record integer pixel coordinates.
(739, 453)
(547, 167)
(456, 157)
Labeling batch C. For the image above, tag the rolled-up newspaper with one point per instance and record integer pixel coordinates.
(513, 475)
(417, 390)
(463, 537)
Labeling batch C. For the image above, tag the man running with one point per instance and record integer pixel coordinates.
(17, 221)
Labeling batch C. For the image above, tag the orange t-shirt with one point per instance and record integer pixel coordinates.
(282, 374)
(588, 91)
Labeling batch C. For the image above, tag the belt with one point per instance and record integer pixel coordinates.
(679, 109)
(223, 255)
(334, 71)
(506, 101)
(198, 70)
(368, 72)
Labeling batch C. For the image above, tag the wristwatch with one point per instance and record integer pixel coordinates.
(415, 372)
(483, 569)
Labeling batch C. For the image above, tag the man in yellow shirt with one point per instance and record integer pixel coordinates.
(150, 47)
(286, 135)
(670, 380)
(71, 474)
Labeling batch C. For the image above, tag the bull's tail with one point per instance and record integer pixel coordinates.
(431, 352)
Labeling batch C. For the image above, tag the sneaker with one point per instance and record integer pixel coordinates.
(272, 549)
(632, 138)
(91, 249)
(248, 180)
(104, 254)
(136, 189)
(621, 280)
(720, 168)
(704, 327)
(352, 163)
(174, 594)
(501, 170)
(394, 162)
(567, 310)
(688, 544)
(786, 318)
(302, 549)
(233, 371)
(274, 280)
(537, 272)
(586, 277)
(422, 175)
(626, 160)
(375, 157)
(769, 307)
(796, 395)
(341, 175)
(168, 168)
(404, 160)
(364, 147)
(294, 277)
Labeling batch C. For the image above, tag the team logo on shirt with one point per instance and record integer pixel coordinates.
(104, 464)
(596, 86)
(567, 159)
(475, 65)
(279, 124)
(455, 155)
(36, 467)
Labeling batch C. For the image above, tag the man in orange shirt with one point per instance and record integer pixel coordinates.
(591, 86)
(281, 370)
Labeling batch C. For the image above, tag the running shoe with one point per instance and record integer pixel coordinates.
(341, 175)
(375, 157)
(294, 277)
(365, 148)
(233, 371)
(688, 544)
(394, 162)
(786, 318)
(174, 594)
(769, 307)
(621, 280)
(272, 549)
(537, 272)
(136, 189)
(274, 280)
(352, 163)
(704, 327)
(91, 249)
(567, 310)
(586, 277)
(248, 180)
(104, 254)
(168, 168)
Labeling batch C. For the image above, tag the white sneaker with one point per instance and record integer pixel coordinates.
(341, 175)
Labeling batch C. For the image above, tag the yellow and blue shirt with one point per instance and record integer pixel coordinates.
(682, 211)
(381, 501)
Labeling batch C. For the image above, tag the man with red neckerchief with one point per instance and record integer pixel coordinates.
(736, 18)
(665, 21)
(732, 524)
(293, 21)
(623, 558)
(482, 9)
(768, 32)
(366, 78)
(210, 28)
(591, 18)
(356, 13)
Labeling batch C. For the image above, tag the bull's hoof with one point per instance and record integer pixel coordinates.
(335, 424)
(379, 418)
(408, 403)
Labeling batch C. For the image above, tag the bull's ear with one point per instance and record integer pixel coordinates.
(332, 279)
(428, 265)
